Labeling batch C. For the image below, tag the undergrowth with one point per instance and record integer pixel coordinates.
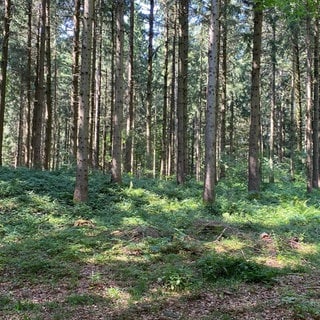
(145, 238)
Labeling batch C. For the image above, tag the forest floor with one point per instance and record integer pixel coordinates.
(151, 250)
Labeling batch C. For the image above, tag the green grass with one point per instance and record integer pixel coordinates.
(147, 240)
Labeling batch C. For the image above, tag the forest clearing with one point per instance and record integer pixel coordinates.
(151, 250)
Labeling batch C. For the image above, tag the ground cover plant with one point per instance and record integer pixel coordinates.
(151, 250)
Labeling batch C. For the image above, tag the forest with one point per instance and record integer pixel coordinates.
(159, 159)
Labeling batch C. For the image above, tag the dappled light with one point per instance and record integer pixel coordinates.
(141, 249)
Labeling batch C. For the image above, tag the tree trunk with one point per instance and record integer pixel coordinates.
(297, 88)
(130, 121)
(75, 75)
(21, 127)
(182, 103)
(39, 102)
(309, 164)
(149, 89)
(97, 99)
(4, 63)
(212, 92)
(48, 137)
(93, 106)
(164, 137)
(254, 135)
(316, 182)
(273, 102)
(81, 186)
(29, 72)
(223, 110)
(116, 174)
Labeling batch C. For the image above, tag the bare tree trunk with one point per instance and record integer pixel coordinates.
(97, 98)
(130, 120)
(48, 138)
(172, 124)
(39, 102)
(316, 182)
(309, 164)
(212, 92)
(4, 63)
(92, 109)
(149, 89)
(29, 68)
(116, 172)
(223, 110)
(164, 137)
(273, 102)
(21, 127)
(81, 186)
(182, 103)
(254, 135)
(297, 88)
(75, 75)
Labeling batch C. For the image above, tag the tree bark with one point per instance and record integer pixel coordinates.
(39, 102)
(48, 136)
(29, 71)
(149, 89)
(164, 137)
(116, 172)
(309, 150)
(316, 182)
(273, 102)
(4, 64)
(81, 186)
(254, 135)
(75, 75)
(212, 92)
(182, 103)
(130, 120)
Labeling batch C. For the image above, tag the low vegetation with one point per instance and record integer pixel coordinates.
(152, 250)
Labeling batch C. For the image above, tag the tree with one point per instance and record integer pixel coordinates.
(254, 134)
(316, 112)
(182, 98)
(48, 133)
(116, 171)
(130, 120)
(149, 87)
(75, 75)
(309, 150)
(212, 92)
(39, 100)
(81, 185)
(4, 64)
(164, 136)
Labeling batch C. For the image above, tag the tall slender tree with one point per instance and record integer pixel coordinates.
(182, 102)
(164, 136)
(255, 130)
(316, 182)
(309, 147)
(212, 92)
(39, 101)
(48, 133)
(75, 75)
(116, 170)
(81, 185)
(149, 88)
(4, 64)
(28, 80)
(130, 120)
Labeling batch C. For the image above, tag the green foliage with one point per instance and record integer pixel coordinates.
(146, 239)
(215, 267)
